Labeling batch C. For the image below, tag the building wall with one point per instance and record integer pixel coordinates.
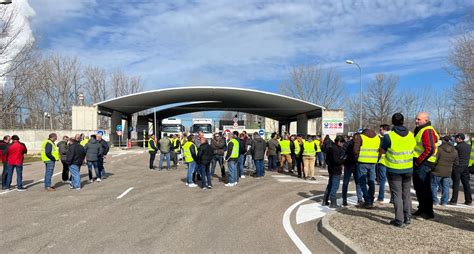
(85, 118)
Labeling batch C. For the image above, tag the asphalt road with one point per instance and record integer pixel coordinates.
(160, 214)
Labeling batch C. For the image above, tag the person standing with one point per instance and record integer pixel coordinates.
(425, 160)
(272, 148)
(242, 150)
(49, 155)
(350, 168)
(63, 146)
(152, 150)
(218, 147)
(297, 155)
(3, 155)
(102, 157)
(381, 168)
(285, 146)
(231, 157)
(74, 158)
(165, 149)
(257, 149)
(15, 156)
(461, 171)
(93, 151)
(309, 156)
(319, 154)
(335, 159)
(205, 154)
(398, 146)
(446, 160)
(366, 150)
(190, 157)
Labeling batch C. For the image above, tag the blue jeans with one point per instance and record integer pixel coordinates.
(333, 185)
(366, 176)
(168, 160)
(444, 183)
(48, 174)
(383, 178)
(272, 162)
(240, 165)
(319, 158)
(100, 165)
(75, 175)
(189, 175)
(348, 171)
(217, 158)
(205, 175)
(259, 168)
(232, 164)
(19, 176)
(93, 164)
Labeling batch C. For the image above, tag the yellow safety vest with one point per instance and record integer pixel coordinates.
(176, 145)
(187, 151)
(54, 151)
(369, 151)
(308, 148)
(84, 142)
(400, 153)
(235, 149)
(150, 149)
(285, 147)
(471, 160)
(318, 144)
(419, 149)
(382, 160)
(297, 147)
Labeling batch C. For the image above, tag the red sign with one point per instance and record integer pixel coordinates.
(236, 125)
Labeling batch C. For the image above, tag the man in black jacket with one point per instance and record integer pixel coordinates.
(350, 168)
(102, 157)
(205, 154)
(74, 158)
(461, 171)
(335, 156)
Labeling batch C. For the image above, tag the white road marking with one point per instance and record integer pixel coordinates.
(289, 230)
(125, 193)
(26, 186)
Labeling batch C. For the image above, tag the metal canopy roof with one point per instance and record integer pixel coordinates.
(271, 105)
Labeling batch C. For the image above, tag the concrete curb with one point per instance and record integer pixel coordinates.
(343, 243)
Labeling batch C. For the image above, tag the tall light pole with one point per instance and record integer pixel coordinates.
(360, 81)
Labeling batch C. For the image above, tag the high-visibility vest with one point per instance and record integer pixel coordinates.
(235, 149)
(318, 144)
(308, 149)
(54, 151)
(382, 160)
(400, 153)
(419, 149)
(369, 151)
(297, 147)
(187, 151)
(471, 160)
(150, 149)
(84, 142)
(176, 145)
(285, 147)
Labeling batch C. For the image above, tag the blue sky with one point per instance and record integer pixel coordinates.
(253, 44)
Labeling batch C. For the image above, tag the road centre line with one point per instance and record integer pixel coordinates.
(125, 193)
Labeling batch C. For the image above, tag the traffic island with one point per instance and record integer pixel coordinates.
(356, 230)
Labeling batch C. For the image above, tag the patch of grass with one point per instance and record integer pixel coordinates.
(32, 158)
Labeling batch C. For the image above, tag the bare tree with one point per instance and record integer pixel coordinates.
(95, 84)
(380, 99)
(122, 85)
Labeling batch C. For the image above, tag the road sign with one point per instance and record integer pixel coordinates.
(261, 132)
(100, 132)
(227, 131)
(119, 133)
(130, 129)
(236, 119)
(119, 127)
(236, 125)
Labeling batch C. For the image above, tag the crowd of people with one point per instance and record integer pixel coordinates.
(73, 153)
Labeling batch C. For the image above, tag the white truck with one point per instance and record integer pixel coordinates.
(204, 125)
(171, 126)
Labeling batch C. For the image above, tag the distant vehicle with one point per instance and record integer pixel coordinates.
(171, 126)
(204, 125)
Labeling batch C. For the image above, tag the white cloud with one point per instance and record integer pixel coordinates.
(234, 42)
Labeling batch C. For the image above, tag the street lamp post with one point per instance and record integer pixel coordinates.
(360, 81)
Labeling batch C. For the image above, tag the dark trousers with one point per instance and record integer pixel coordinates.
(205, 175)
(152, 160)
(65, 174)
(272, 162)
(174, 158)
(300, 166)
(215, 159)
(100, 165)
(422, 185)
(400, 185)
(293, 159)
(461, 174)
(4, 175)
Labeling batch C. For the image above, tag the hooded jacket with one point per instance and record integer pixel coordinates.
(447, 157)
(257, 148)
(387, 143)
(273, 147)
(205, 154)
(93, 150)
